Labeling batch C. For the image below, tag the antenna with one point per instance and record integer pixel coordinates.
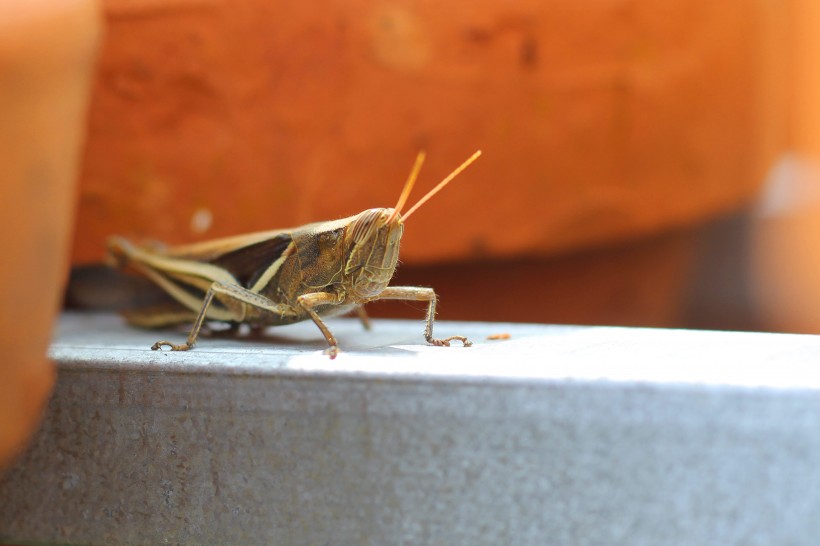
(441, 184)
(408, 186)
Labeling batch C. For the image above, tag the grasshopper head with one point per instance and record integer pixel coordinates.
(376, 233)
(374, 237)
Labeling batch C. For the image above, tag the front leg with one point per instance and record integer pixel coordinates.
(417, 293)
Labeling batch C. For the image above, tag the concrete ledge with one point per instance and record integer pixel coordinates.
(560, 435)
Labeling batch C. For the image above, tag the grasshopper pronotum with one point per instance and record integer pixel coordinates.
(284, 276)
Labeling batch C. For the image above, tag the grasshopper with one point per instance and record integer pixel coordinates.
(283, 276)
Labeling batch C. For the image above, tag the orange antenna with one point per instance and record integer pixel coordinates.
(408, 186)
(441, 184)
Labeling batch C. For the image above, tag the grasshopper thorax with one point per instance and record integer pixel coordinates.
(373, 242)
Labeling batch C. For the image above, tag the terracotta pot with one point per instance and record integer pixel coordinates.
(47, 49)
(599, 121)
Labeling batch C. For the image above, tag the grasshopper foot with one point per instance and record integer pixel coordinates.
(332, 351)
(446, 342)
(160, 344)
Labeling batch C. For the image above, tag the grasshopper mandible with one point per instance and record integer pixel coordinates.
(283, 276)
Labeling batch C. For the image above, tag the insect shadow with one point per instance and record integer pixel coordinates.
(271, 337)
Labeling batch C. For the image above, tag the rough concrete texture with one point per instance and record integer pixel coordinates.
(565, 435)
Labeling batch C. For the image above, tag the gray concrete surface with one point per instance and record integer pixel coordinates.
(560, 435)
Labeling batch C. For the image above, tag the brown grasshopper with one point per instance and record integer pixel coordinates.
(283, 276)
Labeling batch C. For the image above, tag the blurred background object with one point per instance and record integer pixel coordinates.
(47, 49)
(786, 260)
(618, 139)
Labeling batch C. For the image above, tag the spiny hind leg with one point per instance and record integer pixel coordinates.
(235, 299)
(417, 293)
(159, 316)
(119, 251)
